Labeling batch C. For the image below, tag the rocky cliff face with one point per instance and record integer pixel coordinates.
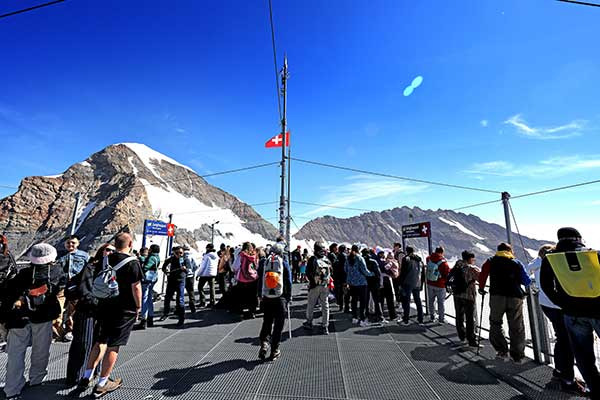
(120, 187)
(454, 231)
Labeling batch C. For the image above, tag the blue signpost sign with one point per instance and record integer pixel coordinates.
(154, 228)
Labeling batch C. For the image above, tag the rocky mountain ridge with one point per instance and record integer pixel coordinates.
(452, 230)
(121, 186)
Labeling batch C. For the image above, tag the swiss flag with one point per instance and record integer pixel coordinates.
(170, 230)
(277, 141)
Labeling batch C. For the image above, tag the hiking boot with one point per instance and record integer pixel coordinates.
(307, 325)
(141, 326)
(262, 353)
(83, 384)
(275, 353)
(150, 322)
(109, 386)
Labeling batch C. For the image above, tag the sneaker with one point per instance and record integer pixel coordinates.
(14, 397)
(502, 356)
(307, 325)
(262, 353)
(180, 324)
(163, 318)
(385, 321)
(575, 387)
(83, 384)
(355, 320)
(275, 353)
(404, 322)
(363, 324)
(475, 346)
(519, 361)
(2, 347)
(431, 320)
(68, 337)
(110, 386)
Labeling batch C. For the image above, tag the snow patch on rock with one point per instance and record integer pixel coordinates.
(483, 248)
(190, 214)
(461, 227)
(146, 154)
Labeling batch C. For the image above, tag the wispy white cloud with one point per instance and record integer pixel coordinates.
(555, 166)
(361, 188)
(571, 129)
(484, 123)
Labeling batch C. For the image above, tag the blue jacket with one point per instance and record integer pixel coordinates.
(73, 263)
(357, 272)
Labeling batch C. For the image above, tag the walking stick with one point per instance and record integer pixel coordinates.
(289, 318)
(480, 320)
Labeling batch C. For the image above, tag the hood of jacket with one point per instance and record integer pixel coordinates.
(436, 257)
(569, 245)
(505, 254)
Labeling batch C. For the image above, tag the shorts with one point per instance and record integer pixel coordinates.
(114, 329)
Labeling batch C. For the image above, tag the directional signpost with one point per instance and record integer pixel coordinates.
(419, 230)
(159, 228)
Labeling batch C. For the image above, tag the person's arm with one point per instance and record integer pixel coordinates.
(525, 279)
(287, 282)
(362, 266)
(136, 288)
(311, 269)
(203, 266)
(547, 283)
(259, 273)
(444, 270)
(483, 275)
(166, 264)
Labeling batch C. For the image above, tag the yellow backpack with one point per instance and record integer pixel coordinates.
(578, 272)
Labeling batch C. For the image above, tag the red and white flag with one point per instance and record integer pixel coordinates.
(277, 141)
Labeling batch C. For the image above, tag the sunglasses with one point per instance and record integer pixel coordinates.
(109, 250)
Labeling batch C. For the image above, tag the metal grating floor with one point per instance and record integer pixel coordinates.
(215, 358)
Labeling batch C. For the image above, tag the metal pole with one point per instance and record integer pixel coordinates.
(75, 212)
(282, 204)
(212, 233)
(505, 199)
(144, 234)
(288, 236)
(167, 253)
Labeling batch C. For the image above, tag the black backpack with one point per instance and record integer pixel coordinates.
(457, 280)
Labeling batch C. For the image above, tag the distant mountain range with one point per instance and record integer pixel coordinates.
(454, 231)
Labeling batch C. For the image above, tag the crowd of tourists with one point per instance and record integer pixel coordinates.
(95, 302)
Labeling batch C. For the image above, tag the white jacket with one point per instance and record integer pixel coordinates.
(209, 265)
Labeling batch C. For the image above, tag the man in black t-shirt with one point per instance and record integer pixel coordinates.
(116, 317)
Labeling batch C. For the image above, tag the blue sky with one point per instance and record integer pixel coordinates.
(508, 100)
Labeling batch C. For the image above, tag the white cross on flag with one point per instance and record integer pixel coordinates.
(170, 230)
(277, 141)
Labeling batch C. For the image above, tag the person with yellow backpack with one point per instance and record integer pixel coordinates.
(570, 277)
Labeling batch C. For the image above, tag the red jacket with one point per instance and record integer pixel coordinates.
(444, 269)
